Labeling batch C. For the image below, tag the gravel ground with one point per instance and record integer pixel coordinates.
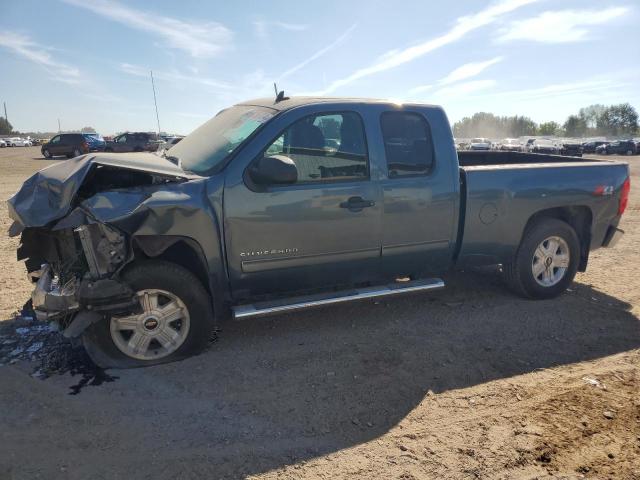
(468, 382)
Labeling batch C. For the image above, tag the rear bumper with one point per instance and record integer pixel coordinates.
(612, 237)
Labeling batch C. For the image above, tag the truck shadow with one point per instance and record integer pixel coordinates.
(290, 388)
(285, 389)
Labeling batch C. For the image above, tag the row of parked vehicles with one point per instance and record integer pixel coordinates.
(554, 147)
(15, 142)
(75, 144)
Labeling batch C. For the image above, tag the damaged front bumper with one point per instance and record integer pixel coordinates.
(83, 280)
(50, 299)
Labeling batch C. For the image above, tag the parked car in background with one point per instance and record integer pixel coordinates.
(140, 254)
(170, 142)
(620, 147)
(18, 142)
(571, 149)
(480, 144)
(543, 145)
(590, 147)
(133, 142)
(67, 144)
(3, 144)
(95, 141)
(511, 145)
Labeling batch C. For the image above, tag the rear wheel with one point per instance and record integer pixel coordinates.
(546, 261)
(77, 152)
(173, 320)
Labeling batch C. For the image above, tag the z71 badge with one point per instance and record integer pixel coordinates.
(272, 251)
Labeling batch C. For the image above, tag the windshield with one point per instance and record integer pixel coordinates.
(479, 140)
(206, 148)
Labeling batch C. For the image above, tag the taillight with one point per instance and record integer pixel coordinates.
(624, 196)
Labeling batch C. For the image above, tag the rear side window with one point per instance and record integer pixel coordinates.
(407, 143)
(325, 147)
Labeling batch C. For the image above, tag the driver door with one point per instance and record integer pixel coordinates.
(322, 230)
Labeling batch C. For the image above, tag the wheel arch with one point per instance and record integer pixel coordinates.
(185, 252)
(580, 217)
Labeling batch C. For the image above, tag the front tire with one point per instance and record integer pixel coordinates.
(546, 261)
(174, 320)
(46, 153)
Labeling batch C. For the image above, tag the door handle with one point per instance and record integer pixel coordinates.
(357, 203)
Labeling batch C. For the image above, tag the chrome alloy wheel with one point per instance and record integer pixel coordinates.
(157, 331)
(550, 261)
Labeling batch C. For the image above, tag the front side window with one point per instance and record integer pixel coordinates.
(407, 143)
(121, 139)
(55, 139)
(325, 147)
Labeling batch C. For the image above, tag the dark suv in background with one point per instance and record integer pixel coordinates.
(620, 147)
(133, 142)
(68, 144)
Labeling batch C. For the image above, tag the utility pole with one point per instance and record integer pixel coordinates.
(155, 102)
(5, 112)
(58, 125)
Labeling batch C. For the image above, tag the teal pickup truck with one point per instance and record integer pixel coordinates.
(278, 205)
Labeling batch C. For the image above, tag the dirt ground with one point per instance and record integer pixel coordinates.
(469, 382)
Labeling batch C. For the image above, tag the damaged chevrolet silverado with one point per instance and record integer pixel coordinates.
(273, 206)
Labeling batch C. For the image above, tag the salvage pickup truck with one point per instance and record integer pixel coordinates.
(278, 205)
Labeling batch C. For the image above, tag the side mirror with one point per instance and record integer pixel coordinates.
(274, 170)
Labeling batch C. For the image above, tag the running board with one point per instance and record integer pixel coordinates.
(298, 303)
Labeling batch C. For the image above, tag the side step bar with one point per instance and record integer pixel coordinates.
(298, 303)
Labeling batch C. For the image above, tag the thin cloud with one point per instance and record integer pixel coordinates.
(198, 39)
(564, 89)
(26, 48)
(262, 27)
(469, 70)
(559, 26)
(463, 26)
(139, 71)
(463, 72)
(320, 52)
(465, 88)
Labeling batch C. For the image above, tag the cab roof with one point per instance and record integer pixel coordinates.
(292, 102)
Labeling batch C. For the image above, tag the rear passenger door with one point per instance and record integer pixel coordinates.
(419, 196)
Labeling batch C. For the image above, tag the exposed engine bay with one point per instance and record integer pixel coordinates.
(74, 256)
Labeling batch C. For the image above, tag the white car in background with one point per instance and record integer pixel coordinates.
(2, 143)
(480, 144)
(19, 142)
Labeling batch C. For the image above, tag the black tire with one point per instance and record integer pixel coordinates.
(77, 152)
(156, 274)
(108, 150)
(46, 153)
(519, 272)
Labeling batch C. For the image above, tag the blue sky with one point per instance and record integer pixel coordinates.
(87, 62)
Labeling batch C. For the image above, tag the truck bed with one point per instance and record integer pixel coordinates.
(500, 191)
(477, 158)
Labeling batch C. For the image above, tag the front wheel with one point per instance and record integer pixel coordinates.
(46, 153)
(173, 320)
(546, 261)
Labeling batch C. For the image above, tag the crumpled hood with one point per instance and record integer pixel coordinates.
(48, 195)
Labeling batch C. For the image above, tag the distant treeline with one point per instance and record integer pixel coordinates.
(595, 120)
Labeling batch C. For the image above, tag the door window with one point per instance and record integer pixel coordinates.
(407, 143)
(325, 147)
(55, 139)
(121, 139)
